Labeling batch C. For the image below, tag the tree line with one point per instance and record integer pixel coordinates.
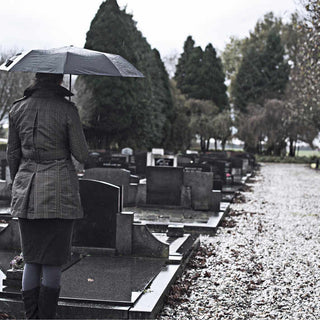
(155, 111)
(274, 75)
(272, 96)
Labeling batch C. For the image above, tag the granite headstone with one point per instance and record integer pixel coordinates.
(164, 185)
(115, 176)
(101, 203)
(201, 184)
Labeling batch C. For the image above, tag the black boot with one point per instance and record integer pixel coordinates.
(48, 302)
(30, 301)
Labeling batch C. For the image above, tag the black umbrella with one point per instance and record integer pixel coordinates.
(71, 60)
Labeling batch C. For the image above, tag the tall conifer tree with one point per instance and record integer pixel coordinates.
(264, 71)
(181, 75)
(213, 78)
(125, 111)
(200, 75)
(188, 73)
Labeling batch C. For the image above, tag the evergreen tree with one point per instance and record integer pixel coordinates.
(125, 111)
(180, 135)
(249, 83)
(181, 75)
(213, 78)
(200, 75)
(263, 72)
(161, 96)
(275, 68)
(189, 70)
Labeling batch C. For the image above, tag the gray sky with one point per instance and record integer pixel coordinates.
(34, 24)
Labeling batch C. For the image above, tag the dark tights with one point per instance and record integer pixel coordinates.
(51, 276)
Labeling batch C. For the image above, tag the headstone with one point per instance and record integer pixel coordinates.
(217, 183)
(134, 179)
(140, 159)
(184, 160)
(164, 185)
(163, 160)
(224, 167)
(245, 166)
(187, 159)
(118, 177)
(157, 151)
(101, 203)
(201, 184)
(132, 194)
(237, 174)
(216, 200)
(236, 162)
(127, 151)
(97, 159)
(197, 167)
(192, 152)
(118, 161)
(248, 161)
(141, 197)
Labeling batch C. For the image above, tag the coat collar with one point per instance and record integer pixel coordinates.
(38, 90)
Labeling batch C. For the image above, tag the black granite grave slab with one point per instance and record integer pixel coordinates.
(11, 279)
(195, 222)
(114, 280)
(101, 203)
(100, 287)
(164, 185)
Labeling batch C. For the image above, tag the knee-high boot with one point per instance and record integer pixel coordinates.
(48, 302)
(30, 300)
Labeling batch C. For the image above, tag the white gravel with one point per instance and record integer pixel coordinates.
(267, 266)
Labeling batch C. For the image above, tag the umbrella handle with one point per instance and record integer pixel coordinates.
(70, 75)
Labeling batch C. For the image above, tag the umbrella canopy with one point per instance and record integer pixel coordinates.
(71, 60)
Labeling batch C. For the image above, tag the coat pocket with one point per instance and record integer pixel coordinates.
(21, 193)
(69, 186)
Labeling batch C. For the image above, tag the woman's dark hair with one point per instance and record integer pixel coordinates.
(48, 78)
(45, 80)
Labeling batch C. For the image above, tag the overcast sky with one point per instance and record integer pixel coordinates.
(30, 24)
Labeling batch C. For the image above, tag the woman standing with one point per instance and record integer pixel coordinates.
(44, 131)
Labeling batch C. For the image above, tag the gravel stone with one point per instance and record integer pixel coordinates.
(264, 261)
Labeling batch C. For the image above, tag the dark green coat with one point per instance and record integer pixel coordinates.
(44, 130)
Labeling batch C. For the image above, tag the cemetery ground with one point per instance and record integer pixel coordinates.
(264, 261)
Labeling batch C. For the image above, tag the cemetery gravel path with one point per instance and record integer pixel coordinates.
(264, 261)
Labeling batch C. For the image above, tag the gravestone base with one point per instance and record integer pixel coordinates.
(175, 230)
(118, 287)
(158, 218)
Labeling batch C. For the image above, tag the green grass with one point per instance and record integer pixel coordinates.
(308, 153)
(298, 159)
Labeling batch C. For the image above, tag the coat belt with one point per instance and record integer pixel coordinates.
(44, 155)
